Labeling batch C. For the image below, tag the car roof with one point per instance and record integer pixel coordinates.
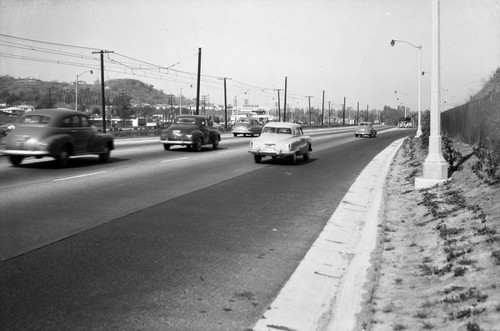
(282, 125)
(55, 112)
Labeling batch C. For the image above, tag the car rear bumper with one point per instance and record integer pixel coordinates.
(23, 153)
(176, 142)
(279, 154)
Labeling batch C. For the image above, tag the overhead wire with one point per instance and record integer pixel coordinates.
(138, 68)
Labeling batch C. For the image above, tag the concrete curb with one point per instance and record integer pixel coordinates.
(325, 292)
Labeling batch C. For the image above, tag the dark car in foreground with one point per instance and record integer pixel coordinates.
(247, 126)
(57, 133)
(192, 131)
(365, 129)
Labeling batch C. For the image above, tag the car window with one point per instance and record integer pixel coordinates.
(35, 119)
(71, 121)
(269, 129)
(184, 120)
(284, 131)
(85, 121)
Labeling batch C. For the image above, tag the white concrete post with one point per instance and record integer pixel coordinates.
(435, 166)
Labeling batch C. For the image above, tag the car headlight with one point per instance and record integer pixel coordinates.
(189, 136)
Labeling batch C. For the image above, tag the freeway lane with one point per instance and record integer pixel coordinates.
(41, 204)
(210, 258)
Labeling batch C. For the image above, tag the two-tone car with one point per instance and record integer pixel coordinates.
(247, 127)
(365, 129)
(192, 131)
(281, 140)
(57, 133)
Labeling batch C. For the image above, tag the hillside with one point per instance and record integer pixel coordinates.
(490, 87)
(16, 91)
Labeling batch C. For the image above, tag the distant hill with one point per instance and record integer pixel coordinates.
(15, 91)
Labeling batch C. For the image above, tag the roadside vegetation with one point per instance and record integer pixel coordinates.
(437, 263)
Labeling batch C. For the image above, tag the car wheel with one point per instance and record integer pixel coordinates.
(63, 158)
(235, 134)
(257, 158)
(355, 135)
(197, 145)
(293, 159)
(166, 147)
(16, 160)
(306, 156)
(215, 144)
(104, 156)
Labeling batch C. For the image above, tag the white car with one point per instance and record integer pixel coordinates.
(281, 140)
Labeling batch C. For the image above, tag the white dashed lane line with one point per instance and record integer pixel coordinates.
(79, 176)
(178, 159)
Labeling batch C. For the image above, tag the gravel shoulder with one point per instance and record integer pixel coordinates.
(437, 261)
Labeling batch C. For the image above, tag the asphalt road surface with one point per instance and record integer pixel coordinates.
(165, 240)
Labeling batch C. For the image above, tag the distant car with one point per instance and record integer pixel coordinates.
(6, 128)
(365, 129)
(58, 133)
(247, 127)
(281, 140)
(192, 131)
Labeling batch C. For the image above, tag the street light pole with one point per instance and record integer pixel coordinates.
(419, 47)
(435, 167)
(76, 87)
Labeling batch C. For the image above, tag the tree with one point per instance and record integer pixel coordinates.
(122, 108)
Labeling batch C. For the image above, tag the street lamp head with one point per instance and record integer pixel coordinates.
(393, 42)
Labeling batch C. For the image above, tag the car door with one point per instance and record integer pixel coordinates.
(205, 131)
(73, 125)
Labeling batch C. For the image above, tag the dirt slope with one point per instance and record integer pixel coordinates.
(437, 264)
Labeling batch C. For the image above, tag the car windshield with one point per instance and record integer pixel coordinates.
(35, 119)
(244, 120)
(185, 120)
(270, 129)
(364, 124)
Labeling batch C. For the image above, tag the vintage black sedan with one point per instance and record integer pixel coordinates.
(58, 133)
(192, 131)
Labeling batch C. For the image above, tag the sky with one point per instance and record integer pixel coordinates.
(341, 47)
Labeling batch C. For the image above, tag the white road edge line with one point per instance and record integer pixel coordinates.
(79, 176)
(178, 159)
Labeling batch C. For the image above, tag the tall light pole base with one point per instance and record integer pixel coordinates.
(419, 133)
(422, 183)
(435, 169)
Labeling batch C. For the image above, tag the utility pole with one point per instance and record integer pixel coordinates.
(225, 101)
(103, 98)
(323, 108)
(343, 113)
(310, 116)
(357, 114)
(198, 83)
(329, 113)
(284, 107)
(279, 111)
(367, 106)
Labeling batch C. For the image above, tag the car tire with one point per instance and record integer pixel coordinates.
(257, 158)
(355, 135)
(293, 159)
(16, 160)
(236, 135)
(63, 158)
(197, 145)
(104, 156)
(166, 147)
(306, 156)
(215, 144)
